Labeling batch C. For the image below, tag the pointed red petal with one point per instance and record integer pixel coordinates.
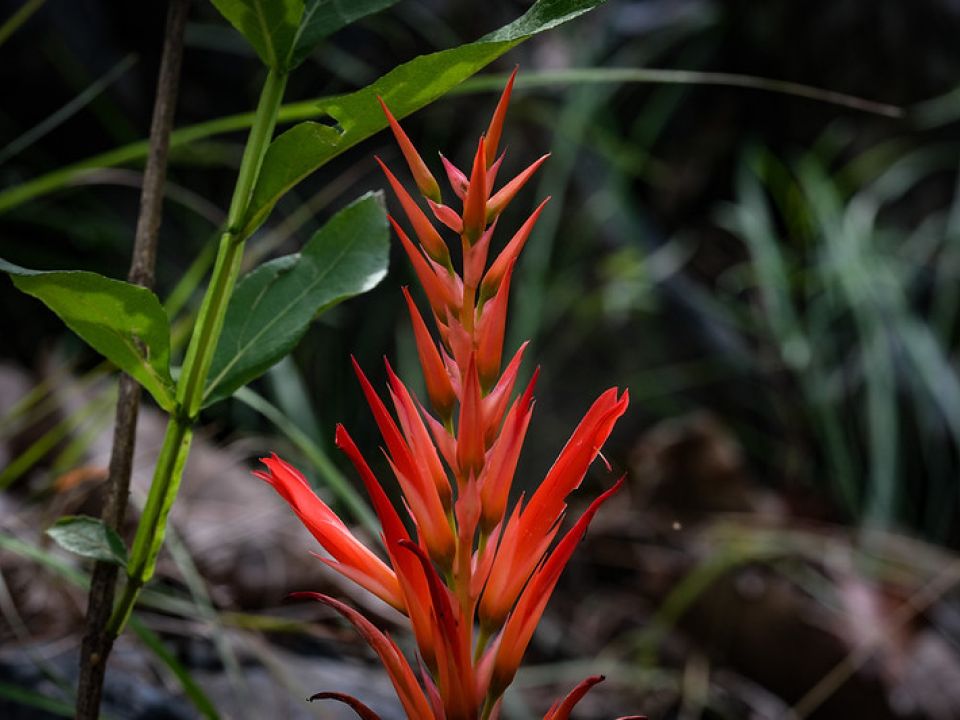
(496, 122)
(496, 402)
(422, 227)
(475, 203)
(490, 332)
(498, 472)
(470, 430)
(503, 197)
(421, 174)
(369, 571)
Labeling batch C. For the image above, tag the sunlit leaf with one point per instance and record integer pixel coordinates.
(123, 322)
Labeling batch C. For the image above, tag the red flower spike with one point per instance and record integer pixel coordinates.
(352, 557)
(362, 711)
(509, 255)
(422, 227)
(440, 574)
(475, 203)
(458, 181)
(439, 292)
(426, 183)
(447, 216)
(499, 202)
(439, 387)
(496, 122)
(525, 616)
(411, 696)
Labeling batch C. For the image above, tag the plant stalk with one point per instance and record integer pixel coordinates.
(97, 641)
(203, 343)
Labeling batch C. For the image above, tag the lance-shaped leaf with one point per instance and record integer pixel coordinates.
(272, 307)
(270, 26)
(123, 322)
(305, 147)
(88, 537)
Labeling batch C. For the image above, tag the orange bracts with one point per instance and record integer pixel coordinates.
(466, 566)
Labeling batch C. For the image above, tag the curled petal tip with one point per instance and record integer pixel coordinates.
(358, 707)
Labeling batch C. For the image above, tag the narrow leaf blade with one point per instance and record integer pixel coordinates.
(123, 322)
(272, 307)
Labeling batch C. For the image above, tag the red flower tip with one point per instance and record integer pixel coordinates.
(421, 174)
(496, 122)
(475, 203)
(509, 255)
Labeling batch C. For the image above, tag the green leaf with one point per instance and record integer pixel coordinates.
(65, 175)
(322, 18)
(123, 322)
(88, 537)
(354, 117)
(270, 26)
(272, 307)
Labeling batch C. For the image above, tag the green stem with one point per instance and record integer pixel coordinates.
(203, 343)
(212, 311)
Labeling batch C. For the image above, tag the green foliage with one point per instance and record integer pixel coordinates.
(273, 306)
(283, 32)
(308, 146)
(89, 538)
(270, 26)
(123, 322)
(322, 18)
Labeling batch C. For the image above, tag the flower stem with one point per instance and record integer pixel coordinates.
(203, 343)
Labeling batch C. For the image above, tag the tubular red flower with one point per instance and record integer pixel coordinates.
(418, 168)
(422, 227)
(439, 387)
(352, 557)
(498, 203)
